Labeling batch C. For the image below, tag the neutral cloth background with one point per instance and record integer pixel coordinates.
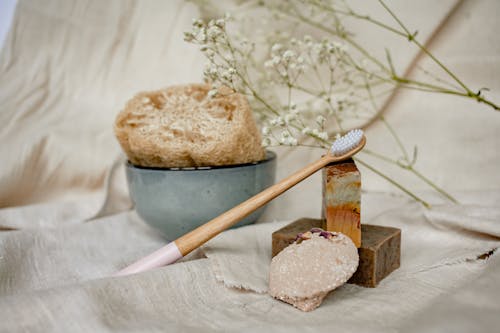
(66, 69)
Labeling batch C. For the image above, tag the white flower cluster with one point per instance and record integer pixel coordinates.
(315, 133)
(203, 32)
(291, 60)
(322, 51)
(302, 53)
(231, 62)
(278, 130)
(287, 139)
(285, 63)
(222, 66)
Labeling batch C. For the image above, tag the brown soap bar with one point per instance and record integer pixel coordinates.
(379, 254)
(286, 235)
(342, 199)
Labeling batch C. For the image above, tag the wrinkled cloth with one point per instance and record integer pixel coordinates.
(59, 279)
(67, 68)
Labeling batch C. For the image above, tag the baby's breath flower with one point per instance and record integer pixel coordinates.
(278, 121)
(213, 70)
(220, 23)
(226, 75)
(330, 48)
(202, 37)
(287, 139)
(319, 52)
(266, 130)
(323, 135)
(188, 36)
(209, 53)
(197, 23)
(288, 55)
(276, 48)
(306, 130)
(320, 120)
(266, 142)
(212, 93)
(292, 141)
(214, 32)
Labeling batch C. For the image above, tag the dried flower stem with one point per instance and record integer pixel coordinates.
(411, 169)
(390, 180)
(467, 92)
(330, 90)
(405, 163)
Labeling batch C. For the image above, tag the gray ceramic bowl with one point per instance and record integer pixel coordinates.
(178, 200)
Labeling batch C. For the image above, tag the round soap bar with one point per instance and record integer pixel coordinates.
(315, 264)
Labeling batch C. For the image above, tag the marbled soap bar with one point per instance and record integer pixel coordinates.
(379, 254)
(342, 199)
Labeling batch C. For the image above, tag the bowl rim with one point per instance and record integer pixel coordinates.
(270, 156)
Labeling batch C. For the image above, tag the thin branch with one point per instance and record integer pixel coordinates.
(393, 182)
(411, 169)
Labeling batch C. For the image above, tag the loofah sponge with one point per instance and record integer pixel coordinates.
(181, 126)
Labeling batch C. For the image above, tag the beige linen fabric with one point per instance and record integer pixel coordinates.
(58, 279)
(453, 311)
(66, 69)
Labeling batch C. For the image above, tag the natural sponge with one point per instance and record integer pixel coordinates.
(182, 126)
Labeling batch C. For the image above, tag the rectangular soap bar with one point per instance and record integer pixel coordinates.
(379, 253)
(286, 235)
(342, 199)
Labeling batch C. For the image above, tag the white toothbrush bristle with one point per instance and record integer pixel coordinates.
(347, 142)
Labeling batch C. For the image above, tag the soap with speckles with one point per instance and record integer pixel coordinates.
(379, 253)
(316, 263)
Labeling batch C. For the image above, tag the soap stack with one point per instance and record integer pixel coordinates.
(379, 247)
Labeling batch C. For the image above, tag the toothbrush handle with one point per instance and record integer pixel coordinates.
(197, 237)
(207, 231)
(161, 257)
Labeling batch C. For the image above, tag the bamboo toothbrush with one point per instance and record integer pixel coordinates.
(341, 149)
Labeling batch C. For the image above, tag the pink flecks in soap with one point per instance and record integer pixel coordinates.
(307, 270)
